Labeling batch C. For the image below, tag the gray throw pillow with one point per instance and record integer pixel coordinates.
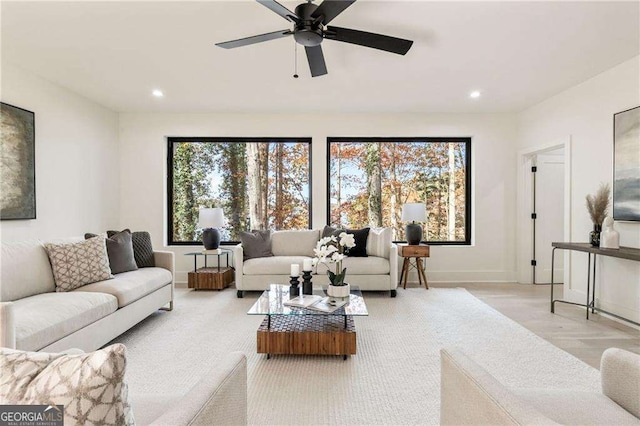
(256, 244)
(328, 231)
(120, 251)
(142, 248)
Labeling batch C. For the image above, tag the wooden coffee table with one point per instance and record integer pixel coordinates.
(299, 331)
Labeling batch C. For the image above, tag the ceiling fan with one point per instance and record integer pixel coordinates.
(310, 28)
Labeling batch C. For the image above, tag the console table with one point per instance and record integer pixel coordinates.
(628, 253)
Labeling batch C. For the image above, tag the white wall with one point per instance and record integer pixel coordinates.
(77, 171)
(143, 161)
(584, 114)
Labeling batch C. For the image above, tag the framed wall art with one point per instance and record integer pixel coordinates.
(626, 165)
(18, 167)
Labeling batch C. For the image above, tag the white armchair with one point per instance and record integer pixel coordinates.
(471, 396)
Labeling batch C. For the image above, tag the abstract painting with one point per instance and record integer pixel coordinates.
(626, 165)
(17, 163)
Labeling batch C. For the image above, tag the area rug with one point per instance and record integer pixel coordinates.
(393, 379)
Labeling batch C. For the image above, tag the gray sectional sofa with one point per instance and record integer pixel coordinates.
(372, 273)
(34, 317)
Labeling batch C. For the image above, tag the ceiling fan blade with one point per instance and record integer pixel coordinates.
(316, 60)
(330, 9)
(280, 10)
(363, 38)
(254, 39)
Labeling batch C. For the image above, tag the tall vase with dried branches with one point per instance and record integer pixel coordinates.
(598, 208)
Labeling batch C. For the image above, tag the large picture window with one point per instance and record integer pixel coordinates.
(260, 183)
(370, 179)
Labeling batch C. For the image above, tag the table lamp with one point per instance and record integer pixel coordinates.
(210, 220)
(413, 212)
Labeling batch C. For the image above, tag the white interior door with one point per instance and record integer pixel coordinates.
(549, 193)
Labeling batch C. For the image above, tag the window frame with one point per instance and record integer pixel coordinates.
(431, 139)
(171, 140)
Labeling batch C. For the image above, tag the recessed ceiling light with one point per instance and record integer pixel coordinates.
(157, 93)
(474, 94)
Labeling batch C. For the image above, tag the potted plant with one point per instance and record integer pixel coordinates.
(598, 206)
(331, 250)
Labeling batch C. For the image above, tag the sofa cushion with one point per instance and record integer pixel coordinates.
(371, 265)
(379, 242)
(294, 243)
(128, 287)
(45, 318)
(277, 265)
(91, 386)
(77, 264)
(570, 407)
(256, 244)
(120, 251)
(20, 257)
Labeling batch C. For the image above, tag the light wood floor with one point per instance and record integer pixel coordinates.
(567, 329)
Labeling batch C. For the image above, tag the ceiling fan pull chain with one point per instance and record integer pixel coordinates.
(295, 59)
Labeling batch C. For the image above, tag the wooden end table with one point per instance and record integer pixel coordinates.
(210, 278)
(417, 252)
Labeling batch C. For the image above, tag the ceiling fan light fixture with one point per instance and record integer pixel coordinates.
(311, 28)
(157, 93)
(475, 94)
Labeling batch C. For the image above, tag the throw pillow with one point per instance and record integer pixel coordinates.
(120, 251)
(256, 244)
(91, 386)
(328, 231)
(379, 242)
(142, 248)
(360, 235)
(77, 264)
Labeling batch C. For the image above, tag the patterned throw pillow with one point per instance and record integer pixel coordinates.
(142, 248)
(91, 386)
(77, 264)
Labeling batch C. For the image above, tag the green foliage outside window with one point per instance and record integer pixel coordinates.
(259, 185)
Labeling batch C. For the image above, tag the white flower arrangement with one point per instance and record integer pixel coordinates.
(332, 250)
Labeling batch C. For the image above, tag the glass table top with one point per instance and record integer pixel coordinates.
(271, 302)
(201, 253)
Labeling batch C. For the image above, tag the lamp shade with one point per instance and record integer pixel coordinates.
(210, 218)
(414, 212)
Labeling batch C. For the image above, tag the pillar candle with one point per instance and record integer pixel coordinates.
(306, 265)
(295, 270)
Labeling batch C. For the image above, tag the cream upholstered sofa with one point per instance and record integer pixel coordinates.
(34, 317)
(372, 273)
(219, 398)
(471, 396)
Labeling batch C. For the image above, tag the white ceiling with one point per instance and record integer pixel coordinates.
(515, 53)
